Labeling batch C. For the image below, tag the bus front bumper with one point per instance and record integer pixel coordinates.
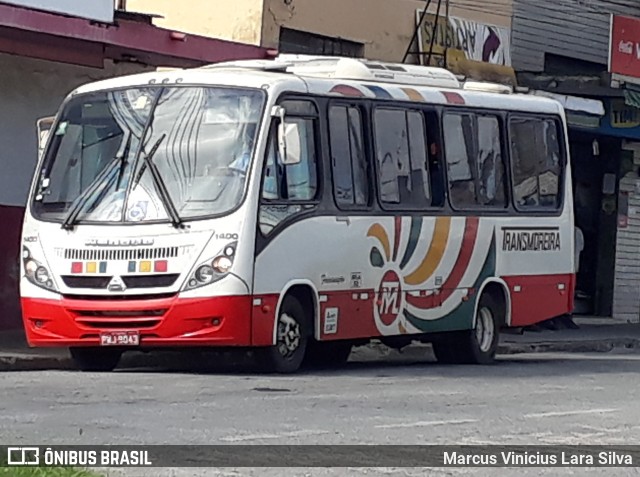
(173, 321)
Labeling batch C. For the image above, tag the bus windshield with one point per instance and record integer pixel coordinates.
(149, 154)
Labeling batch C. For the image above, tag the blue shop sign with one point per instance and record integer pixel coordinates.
(620, 119)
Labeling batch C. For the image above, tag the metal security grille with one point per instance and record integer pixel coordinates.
(120, 254)
(302, 42)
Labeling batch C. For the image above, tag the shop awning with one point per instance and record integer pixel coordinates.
(575, 104)
(131, 38)
(632, 95)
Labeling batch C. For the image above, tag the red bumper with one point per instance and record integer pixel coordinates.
(174, 321)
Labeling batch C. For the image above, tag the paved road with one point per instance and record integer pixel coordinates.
(523, 399)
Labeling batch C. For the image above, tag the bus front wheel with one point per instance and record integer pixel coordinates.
(475, 346)
(292, 337)
(95, 359)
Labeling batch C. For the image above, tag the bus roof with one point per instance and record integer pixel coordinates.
(342, 77)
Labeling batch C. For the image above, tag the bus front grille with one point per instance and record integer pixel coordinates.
(118, 324)
(120, 319)
(131, 281)
(110, 254)
(76, 281)
(150, 281)
(121, 313)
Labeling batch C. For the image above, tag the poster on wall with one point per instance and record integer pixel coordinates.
(477, 50)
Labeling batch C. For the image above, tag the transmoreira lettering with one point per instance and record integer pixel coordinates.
(531, 240)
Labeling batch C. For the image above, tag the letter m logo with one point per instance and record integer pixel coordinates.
(389, 298)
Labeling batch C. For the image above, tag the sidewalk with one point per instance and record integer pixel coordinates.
(15, 355)
(593, 335)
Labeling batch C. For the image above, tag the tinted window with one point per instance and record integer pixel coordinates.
(419, 183)
(347, 157)
(490, 163)
(401, 154)
(459, 144)
(536, 161)
(475, 164)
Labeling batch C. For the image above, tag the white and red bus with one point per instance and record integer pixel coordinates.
(297, 206)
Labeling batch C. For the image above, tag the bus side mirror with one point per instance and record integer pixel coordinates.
(289, 143)
(44, 128)
(289, 139)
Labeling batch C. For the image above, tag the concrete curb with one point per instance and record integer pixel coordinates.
(20, 362)
(583, 346)
(372, 352)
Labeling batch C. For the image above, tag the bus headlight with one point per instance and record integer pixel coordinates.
(222, 264)
(36, 272)
(42, 275)
(213, 269)
(30, 267)
(204, 274)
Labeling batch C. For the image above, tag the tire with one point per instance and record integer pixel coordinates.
(292, 337)
(95, 359)
(327, 354)
(476, 346)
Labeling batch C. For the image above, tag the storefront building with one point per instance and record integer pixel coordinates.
(566, 51)
(375, 29)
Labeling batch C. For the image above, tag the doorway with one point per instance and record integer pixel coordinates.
(595, 164)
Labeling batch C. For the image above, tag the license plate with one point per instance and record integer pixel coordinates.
(120, 338)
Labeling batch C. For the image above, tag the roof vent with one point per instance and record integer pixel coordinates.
(365, 70)
(262, 65)
(487, 87)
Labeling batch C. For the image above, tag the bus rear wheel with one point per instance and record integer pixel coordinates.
(95, 359)
(292, 337)
(475, 346)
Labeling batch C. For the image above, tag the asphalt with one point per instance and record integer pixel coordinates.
(591, 335)
(554, 399)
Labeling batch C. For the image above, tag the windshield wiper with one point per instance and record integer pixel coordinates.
(176, 221)
(123, 164)
(70, 220)
(81, 201)
(151, 154)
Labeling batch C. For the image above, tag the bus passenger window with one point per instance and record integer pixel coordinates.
(350, 171)
(435, 160)
(475, 163)
(419, 177)
(536, 158)
(490, 163)
(460, 145)
(402, 161)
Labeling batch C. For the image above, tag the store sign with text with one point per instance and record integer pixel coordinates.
(624, 49)
(98, 10)
(622, 115)
(466, 47)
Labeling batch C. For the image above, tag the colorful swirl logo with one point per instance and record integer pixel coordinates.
(402, 288)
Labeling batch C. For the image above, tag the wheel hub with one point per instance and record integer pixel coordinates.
(485, 329)
(288, 335)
